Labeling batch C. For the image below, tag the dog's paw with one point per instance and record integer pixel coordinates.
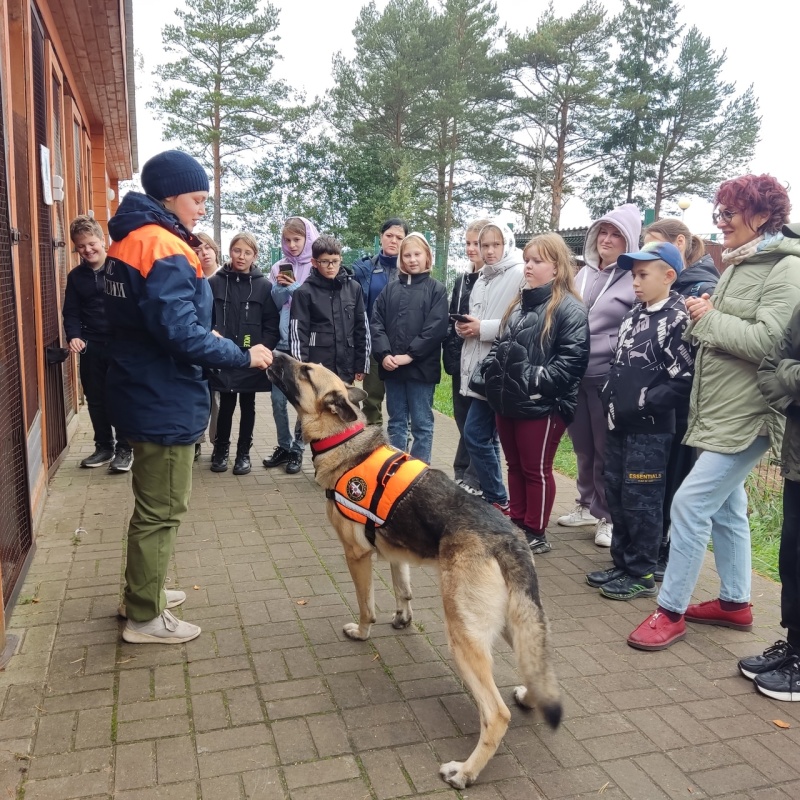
(453, 773)
(401, 620)
(353, 631)
(519, 695)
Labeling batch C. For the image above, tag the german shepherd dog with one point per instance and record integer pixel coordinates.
(488, 581)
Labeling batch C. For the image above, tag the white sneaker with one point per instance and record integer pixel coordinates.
(175, 598)
(577, 518)
(165, 629)
(602, 533)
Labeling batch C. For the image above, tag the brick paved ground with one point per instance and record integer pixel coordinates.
(272, 702)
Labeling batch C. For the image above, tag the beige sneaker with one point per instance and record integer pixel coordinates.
(602, 533)
(577, 518)
(175, 598)
(165, 629)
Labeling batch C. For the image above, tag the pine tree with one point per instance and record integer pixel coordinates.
(709, 133)
(559, 71)
(220, 99)
(646, 31)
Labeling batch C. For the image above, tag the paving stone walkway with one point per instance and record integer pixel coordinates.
(272, 703)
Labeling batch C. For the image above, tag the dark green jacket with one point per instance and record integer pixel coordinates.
(779, 381)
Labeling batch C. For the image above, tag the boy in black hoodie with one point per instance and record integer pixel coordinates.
(328, 324)
(89, 333)
(651, 373)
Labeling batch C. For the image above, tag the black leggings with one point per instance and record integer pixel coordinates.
(789, 562)
(247, 418)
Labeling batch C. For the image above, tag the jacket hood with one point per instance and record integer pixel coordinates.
(628, 219)
(775, 247)
(312, 234)
(703, 270)
(426, 246)
(254, 272)
(512, 255)
(137, 210)
(316, 278)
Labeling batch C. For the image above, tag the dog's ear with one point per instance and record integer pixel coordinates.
(356, 395)
(337, 403)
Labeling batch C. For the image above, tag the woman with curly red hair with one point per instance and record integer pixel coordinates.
(730, 423)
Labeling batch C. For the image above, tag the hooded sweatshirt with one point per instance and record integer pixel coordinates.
(497, 285)
(159, 306)
(301, 267)
(607, 292)
(410, 318)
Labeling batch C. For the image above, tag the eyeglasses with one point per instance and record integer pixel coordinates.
(332, 263)
(726, 215)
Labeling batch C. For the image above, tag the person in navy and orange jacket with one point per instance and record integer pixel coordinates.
(159, 306)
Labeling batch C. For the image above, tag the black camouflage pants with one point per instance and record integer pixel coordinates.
(635, 480)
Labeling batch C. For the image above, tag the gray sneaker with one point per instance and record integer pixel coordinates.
(165, 629)
(100, 457)
(175, 598)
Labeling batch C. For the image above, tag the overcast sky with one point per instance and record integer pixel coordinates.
(761, 40)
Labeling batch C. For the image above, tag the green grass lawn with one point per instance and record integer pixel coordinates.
(764, 501)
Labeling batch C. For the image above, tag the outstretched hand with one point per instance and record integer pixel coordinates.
(260, 356)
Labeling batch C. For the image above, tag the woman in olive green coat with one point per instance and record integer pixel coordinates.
(730, 423)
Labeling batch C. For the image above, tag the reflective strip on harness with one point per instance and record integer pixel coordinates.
(369, 492)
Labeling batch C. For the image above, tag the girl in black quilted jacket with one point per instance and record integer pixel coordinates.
(532, 376)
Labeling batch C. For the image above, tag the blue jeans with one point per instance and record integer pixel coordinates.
(711, 502)
(410, 401)
(280, 413)
(480, 437)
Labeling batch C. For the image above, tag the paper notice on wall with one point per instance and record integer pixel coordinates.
(47, 184)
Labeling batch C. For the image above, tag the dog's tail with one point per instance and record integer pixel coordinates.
(529, 633)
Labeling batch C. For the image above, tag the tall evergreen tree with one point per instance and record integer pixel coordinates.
(560, 74)
(423, 91)
(709, 133)
(220, 99)
(646, 31)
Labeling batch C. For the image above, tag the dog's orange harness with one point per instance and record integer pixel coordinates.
(369, 492)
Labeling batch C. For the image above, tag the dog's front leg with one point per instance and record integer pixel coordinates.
(359, 562)
(401, 581)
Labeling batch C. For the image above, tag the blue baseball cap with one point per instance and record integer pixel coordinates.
(655, 251)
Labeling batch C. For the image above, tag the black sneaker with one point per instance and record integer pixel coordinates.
(772, 658)
(101, 456)
(122, 461)
(219, 458)
(627, 588)
(782, 683)
(538, 544)
(604, 576)
(295, 463)
(279, 456)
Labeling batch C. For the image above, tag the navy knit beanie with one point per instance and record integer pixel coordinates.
(172, 173)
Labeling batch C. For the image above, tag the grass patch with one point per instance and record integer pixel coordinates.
(565, 461)
(443, 395)
(765, 509)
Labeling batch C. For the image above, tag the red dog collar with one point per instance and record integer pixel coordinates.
(328, 443)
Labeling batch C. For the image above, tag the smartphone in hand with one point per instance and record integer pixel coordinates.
(459, 318)
(287, 271)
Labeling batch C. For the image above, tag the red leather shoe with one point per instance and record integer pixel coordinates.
(657, 633)
(710, 613)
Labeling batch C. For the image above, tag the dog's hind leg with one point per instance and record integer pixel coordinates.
(401, 581)
(474, 661)
(359, 562)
